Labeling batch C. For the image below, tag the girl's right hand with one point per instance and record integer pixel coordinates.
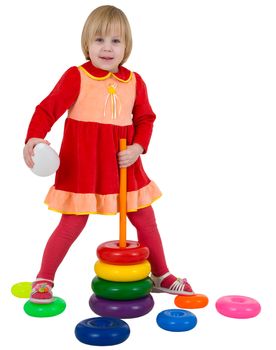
(28, 151)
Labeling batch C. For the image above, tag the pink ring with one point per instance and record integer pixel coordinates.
(238, 306)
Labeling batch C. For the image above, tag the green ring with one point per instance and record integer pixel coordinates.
(45, 310)
(121, 290)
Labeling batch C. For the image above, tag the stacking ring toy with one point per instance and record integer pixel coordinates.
(45, 310)
(176, 320)
(122, 273)
(102, 331)
(121, 290)
(237, 306)
(195, 301)
(22, 289)
(111, 253)
(121, 308)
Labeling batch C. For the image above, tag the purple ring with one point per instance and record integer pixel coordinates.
(121, 308)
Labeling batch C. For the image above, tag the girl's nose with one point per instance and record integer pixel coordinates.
(107, 46)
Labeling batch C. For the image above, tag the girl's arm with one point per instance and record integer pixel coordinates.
(53, 106)
(50, 110)
(143, 119)
(143, 116)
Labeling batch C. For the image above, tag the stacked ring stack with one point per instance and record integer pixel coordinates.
(121, 286)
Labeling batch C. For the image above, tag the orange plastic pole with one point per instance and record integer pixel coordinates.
(123, 199)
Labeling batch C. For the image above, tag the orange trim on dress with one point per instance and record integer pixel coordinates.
(92, 203)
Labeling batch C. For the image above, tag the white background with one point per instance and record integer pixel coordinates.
(210, 70)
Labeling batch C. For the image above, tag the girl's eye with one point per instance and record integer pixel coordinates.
(99, 40)
(116, 41)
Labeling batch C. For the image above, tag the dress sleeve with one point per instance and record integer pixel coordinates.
(55, 104)
(143, 116)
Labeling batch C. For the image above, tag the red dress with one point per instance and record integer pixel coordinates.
(102, 108)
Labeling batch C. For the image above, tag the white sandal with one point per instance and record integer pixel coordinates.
(178, 287)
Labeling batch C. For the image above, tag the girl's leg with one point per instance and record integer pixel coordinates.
(65, 234)
(144, 221)
(63, 237)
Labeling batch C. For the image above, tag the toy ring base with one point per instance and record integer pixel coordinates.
(121, 290)
(122, 273)
(238, 306)
(195, 301)
(45, 310)
(22, 289)
(176, 320)
(111, 253)
(121, 308)
(102, 331)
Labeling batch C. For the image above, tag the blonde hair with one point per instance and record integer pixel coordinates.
(100, 22)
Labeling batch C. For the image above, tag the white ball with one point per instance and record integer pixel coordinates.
(46, 160)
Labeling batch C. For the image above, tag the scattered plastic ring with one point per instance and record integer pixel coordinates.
(102, 331)
(122, 273)
(176, 320)
(121, 308)
(121, 290)
(22, 289)
(238, 306)
(195, 301)
(45, 310)
(110, 252)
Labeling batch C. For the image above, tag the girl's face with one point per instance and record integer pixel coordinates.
(107, 51)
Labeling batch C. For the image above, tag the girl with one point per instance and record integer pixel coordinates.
(105, 102)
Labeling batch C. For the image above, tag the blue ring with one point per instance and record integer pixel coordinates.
(176, 320)
(102, 331)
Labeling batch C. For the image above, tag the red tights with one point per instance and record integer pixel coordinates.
(71, 226)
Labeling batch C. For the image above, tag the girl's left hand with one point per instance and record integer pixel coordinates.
(130, 155)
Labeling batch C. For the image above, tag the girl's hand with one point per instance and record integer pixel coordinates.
(28, 150)
(130, 155)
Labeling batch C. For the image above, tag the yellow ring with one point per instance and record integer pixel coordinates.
(122, 273)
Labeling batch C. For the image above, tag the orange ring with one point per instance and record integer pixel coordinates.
(195, 301)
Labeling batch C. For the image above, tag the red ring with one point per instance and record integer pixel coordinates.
(133, 253)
